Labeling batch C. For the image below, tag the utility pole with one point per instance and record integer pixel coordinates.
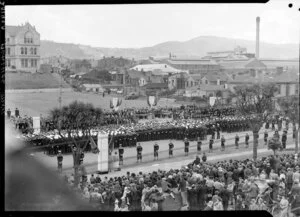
(60, 98)
(124, 83)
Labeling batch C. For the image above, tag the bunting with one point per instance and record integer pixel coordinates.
(152, 101)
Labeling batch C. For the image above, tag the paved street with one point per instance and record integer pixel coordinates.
(164, 162)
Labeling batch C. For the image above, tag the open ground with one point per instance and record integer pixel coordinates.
(34, 104)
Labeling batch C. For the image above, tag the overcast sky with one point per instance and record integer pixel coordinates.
(146, 25)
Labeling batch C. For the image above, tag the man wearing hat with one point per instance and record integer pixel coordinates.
(8, 113)
(247, 140)
(156, 148)
(139, 150)
(171, 147)
(59, 161)
(121, 153)
(237, 138)
(211, 142)
(266, 137)
(186, 146)
(199, 144)
(222, 143)
(17, 113)
(283, 139)
(204, 158)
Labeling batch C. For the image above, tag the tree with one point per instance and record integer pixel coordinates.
(75, 123)
(219, 93)
(274, 144)
(255, 102)
(290, 107)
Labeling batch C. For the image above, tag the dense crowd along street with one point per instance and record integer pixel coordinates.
(270, 184)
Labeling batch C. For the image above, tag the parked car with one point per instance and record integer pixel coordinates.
(131, 96)
(120, 91)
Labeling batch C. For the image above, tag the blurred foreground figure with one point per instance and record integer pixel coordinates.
(30, 186)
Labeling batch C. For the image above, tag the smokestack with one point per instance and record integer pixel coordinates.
(257, 38)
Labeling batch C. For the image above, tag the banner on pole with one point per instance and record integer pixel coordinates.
(103, 154)
(212, 100)
(36, 124)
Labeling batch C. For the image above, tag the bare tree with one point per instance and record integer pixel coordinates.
(75, 123)
(256, 103)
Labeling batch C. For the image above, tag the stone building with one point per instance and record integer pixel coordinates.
(22, 48)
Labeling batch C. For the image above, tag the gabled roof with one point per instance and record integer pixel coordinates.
(287, 78)
(156, 67)
(196, 76)
(215, 77)
(135, 74)
(185, 75)
(13, 30)
(156, 85)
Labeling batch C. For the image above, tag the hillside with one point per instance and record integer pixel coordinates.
(197, 47)
(32, 81)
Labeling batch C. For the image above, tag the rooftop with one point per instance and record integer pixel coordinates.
(207, 87)
(242, 63)
(192, 62)
(164, 68)
(156, 85)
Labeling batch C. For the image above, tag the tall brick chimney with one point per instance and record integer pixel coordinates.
(257, 38)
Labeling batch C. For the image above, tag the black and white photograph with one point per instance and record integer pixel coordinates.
(152, 107)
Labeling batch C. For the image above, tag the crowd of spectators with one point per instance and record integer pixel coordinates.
(271, 183)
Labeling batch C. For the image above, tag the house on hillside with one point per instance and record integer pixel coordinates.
(193, 80)
(155, 88)
(207, 90)
(177, 81)
(214, 79)
(288, 84)
(22, 48)
(136, 78)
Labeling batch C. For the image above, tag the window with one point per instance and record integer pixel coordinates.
(22, 50)
(7, 40)
(22, 63)
(28, 38)
(26, 63)
(8, 51)
(8, 63)
(31, 51)
(25, 50)
(34, 51)
(206, 81)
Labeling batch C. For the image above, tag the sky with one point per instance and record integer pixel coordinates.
(134, 26)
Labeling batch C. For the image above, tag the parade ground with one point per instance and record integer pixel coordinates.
(165, 163)
(36, 103)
